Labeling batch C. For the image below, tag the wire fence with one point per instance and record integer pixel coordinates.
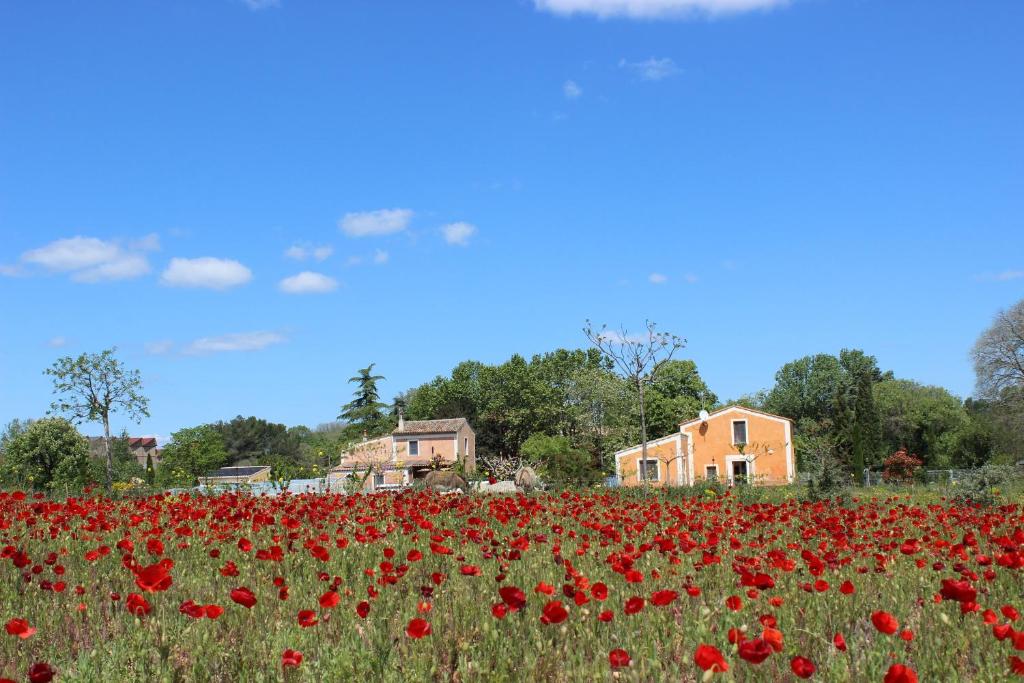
(926, 477)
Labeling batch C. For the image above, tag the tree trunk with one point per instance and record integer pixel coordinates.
(106, 449)
(643, 436)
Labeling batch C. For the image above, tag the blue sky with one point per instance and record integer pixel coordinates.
(253, 199)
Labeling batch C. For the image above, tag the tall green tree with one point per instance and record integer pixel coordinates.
(252, 440)
(677, 395)
(190, 454)
(365, 412)
(50, 453)
(926, 421)
(92, 387)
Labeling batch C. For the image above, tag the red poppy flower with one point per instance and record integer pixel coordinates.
(618, 658)
(363, 608)
(907, 635)
(545, 588)
(470, 570)
(190, 608)
(137, 605)
(662, 598)
(554, 613)
(961, 591)
(898, 673)
(708, 657)
(214, 611)
(847, 588)
(634, 605)
(307, 618)
(514, 597)
(885, 622)
(499, 610)
(774, 638)
(41, 672)
(734, 603)
(599, 591)
(802, 667)
(330, 599)
(20, 628)
(1016, 665)
(839, 642)
(244, 597)
(417, 628)
(154, 578)
(606, 616)
(754, 651)
(1010, 612)
(291, 659)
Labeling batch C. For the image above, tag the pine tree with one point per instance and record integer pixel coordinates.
(365, 413)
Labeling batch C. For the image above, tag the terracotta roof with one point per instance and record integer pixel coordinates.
(143, 441)
(446, 426)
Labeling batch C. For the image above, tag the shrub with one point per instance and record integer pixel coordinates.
(900, 467)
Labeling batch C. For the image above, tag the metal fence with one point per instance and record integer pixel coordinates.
(933, 477)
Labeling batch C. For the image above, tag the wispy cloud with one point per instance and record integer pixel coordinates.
(322, 253)
(242, 341)
(300, 252)
(657, 279)
(159, 348)
(654, 9)
(57, 342)
(380, 257)
(458, 233)
(89, 259)
(652, 69)
(308, 282)
(1004, 276)
(206, 272)
(372, 223)
(571, 90)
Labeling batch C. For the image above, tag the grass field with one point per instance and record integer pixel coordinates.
(594, 585)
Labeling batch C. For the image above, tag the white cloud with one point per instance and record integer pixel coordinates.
(380, 257)
(159, 348)
(308, 282)
(11, 270)
(89, 259)
(654, 9)
(380, 222)
(301, 253)
(657, 278)
(353, 261)
(323, 253)
(652, 69)
(57, 342)
(458, 233)
(571, 90)
(1004, 276)
(296, 252)
(209, 272)
(243, 341)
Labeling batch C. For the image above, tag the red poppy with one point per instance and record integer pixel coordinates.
(618, 658)
(1016, 665)
(898, 673)
(885, 622)
(599, 591)
(606, 616)
(754, 651)
(190, 608)
(307, 618)
(634, 605)
(774, 638)
(1010, 612)
(839, 642)
(499, 610)
(291, 659)
(545, 588)
(708, 657)
(907, 635)
(961, 591)
(330, 599)
(662, 598)
(553, 613)
(137, 605)
(244, 597)
(363, 608)
(470, 570)
(417, 628)
(802, 667)
(514, 597)
(847, 588)
(20, 628)
(41, 672)
(214, 611)
(154, 578)
(734, 603)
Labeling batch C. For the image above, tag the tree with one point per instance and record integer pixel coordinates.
(925, 420)
(48, 454)
(253, 441)
(806, 388)
(638, 360)
(92, 387)
(999, 355)
(191, 453)
(558, 462)
(677, 395)
(858, 426)
(365, 412)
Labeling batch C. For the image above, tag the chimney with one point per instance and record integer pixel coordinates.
(401, 419)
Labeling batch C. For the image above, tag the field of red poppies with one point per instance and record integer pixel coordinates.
(572, 586)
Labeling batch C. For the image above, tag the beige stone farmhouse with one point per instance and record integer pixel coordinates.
(733, 445)
(408, 453)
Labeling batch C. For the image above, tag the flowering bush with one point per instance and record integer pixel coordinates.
(566, 587)
(900, 467)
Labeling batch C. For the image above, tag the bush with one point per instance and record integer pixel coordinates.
(982, 486)
(49, 454)
(558, 463)
(901, 467)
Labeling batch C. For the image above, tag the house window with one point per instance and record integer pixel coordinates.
(739, 432)
(647, 470)
(465, 446)
(711, 472)
(414, 448)
(378, 480)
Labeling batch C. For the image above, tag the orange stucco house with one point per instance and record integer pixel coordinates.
(408, 453)
(734, 445)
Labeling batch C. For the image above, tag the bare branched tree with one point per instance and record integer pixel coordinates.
(637, 359)
(999, 354)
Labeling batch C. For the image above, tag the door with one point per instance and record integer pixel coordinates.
(739, 471)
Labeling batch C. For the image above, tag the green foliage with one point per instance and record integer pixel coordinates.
(558, 463)
(255, 441)
(191, 453)
(983, 486)
(50, 453)
(677, 395)
(365, 413)
(925, 420)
